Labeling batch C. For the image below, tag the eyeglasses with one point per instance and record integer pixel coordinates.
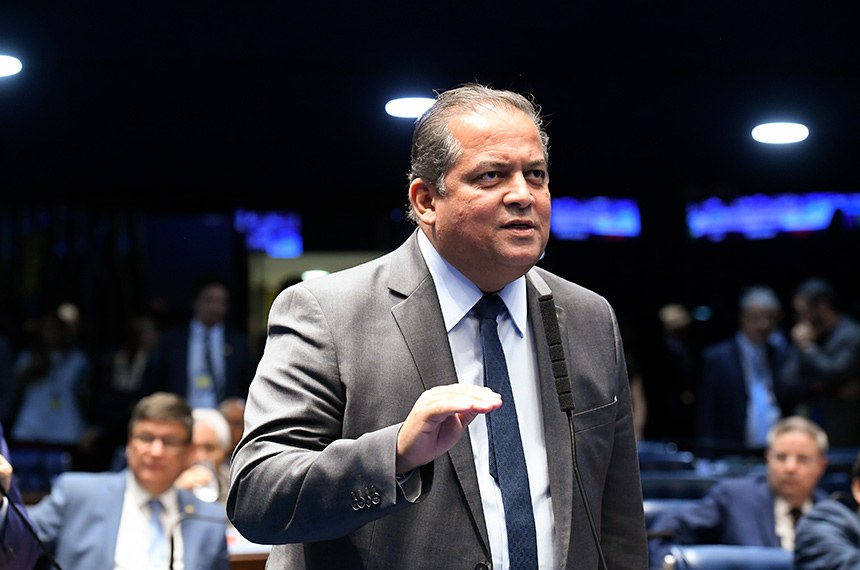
(170, 444)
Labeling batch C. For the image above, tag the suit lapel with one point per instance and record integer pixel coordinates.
(420, 320)
(115, 493)
(766, 523)
(191, 533)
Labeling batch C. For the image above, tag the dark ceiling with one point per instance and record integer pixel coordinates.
(200, 106)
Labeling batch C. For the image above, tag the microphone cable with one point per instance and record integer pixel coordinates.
(565, 401)
(189, 514)
(45, 551)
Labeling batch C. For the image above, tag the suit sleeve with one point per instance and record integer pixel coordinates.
(295, 477)
(19, 547)
(695, 524)
(828, 538)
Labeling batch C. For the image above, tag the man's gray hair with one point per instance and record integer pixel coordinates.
(801, 424)
(759, 296)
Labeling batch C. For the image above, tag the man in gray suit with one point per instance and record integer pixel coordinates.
(366, 439)
(108, 520)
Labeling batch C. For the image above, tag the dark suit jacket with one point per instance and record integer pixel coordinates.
(722, 400)
(80, 519)
(828, 538)
(172, 375)
(346, 358)
(735, 511)
(18, 548)
(828, 378)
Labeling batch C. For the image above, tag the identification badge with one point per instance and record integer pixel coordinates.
(203, 381)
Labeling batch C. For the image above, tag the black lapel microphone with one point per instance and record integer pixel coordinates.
(46, 553)
(189, 513)
(565, 401)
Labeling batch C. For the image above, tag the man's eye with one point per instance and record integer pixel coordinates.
(537, 174)
(489, 176)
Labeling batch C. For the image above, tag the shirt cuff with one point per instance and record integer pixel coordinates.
(410, 485)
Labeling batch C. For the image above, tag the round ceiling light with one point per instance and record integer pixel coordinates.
(408, 107)
(9, 65)
(780, 133)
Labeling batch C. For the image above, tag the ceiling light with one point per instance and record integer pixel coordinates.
(9, 65)
(780, 133)
(408, 107)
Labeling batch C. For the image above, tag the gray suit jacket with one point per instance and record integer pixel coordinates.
(346, 358)
(80, 521)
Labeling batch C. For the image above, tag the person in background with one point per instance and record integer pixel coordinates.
(209, 476)
(669, 379)
(137, 517)
(368, 424)
(7, 379)
(54, 390)
(758, 509)
(823, 369)
(637, 396)
(234, 410)
(737, 402)
(18, 547)
(206, 360)
(124, 373)
(828, 536)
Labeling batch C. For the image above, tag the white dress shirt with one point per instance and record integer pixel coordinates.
(457, 295)
(132, 538)
(784, 521)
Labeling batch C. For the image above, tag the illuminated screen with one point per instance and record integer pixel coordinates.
(765, 217)
(601, 217)
(278, 234)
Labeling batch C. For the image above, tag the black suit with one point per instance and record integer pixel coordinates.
(173, 365)
(723, 397)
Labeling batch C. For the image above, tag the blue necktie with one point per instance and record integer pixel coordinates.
(157, 540)
(507, 461)
(762, 411)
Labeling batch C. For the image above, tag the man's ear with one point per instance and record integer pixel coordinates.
(423, 196)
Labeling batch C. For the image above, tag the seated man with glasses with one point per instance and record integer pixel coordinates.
(760, 509)
(137, 518)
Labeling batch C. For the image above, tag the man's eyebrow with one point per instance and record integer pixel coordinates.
(503, 165)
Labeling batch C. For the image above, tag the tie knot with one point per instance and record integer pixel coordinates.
(489, 306)
(795, 513)
(155, 507)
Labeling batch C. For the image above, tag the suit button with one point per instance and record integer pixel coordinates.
(482, 566)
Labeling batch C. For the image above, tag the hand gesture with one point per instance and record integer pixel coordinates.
(5, 474)
(438, 420)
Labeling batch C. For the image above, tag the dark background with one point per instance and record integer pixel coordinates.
(134, 125)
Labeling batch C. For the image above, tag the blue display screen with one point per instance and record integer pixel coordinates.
(765, 217)
(596, 217)
(278, 234)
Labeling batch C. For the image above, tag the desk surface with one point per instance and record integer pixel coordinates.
(244, 554)
(248, 561)
(239, 546)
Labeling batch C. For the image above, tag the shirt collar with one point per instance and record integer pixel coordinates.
(141, 497)
(783, 507)
(457, 295)
(198, 329)
(747, 346)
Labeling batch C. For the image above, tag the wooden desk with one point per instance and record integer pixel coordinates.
(244, 554)
(250, 561)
